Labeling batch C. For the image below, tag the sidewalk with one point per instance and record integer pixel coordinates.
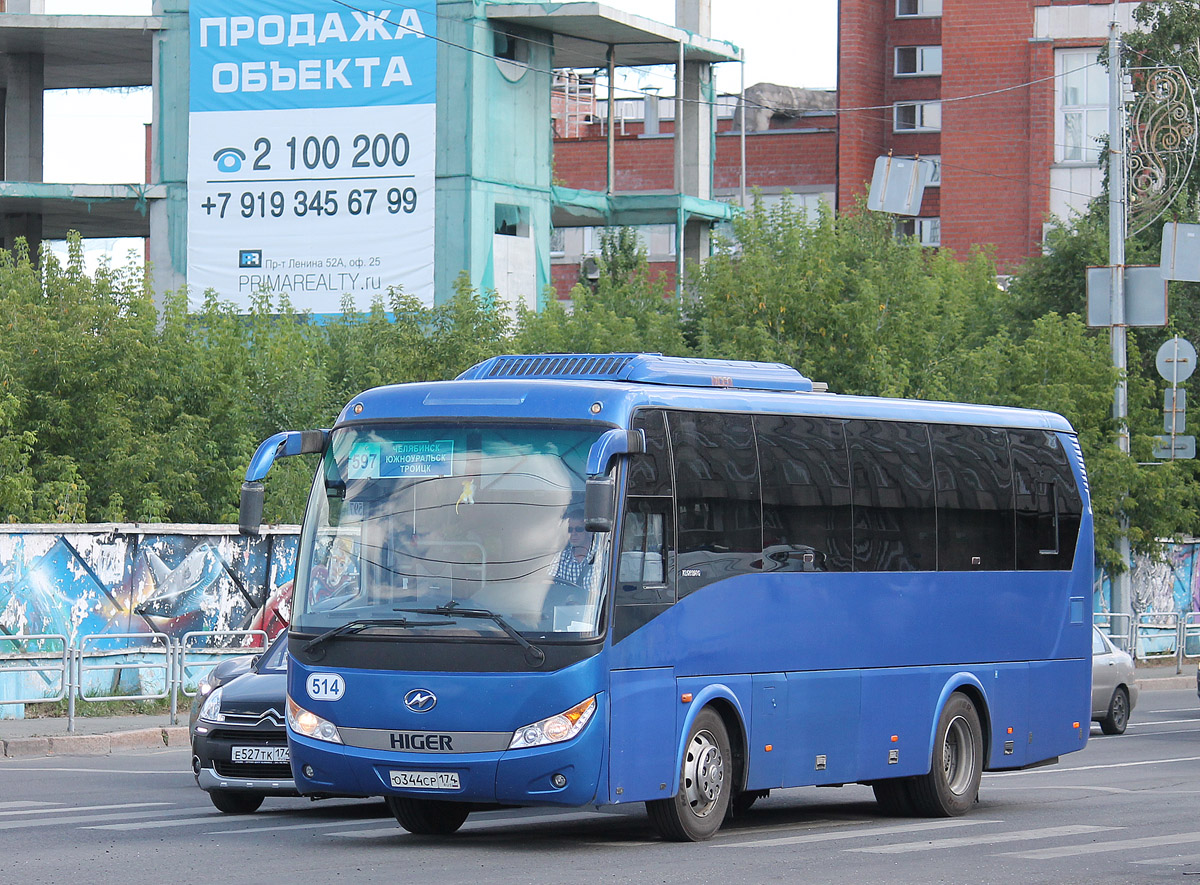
(103, 735)
(93, 735)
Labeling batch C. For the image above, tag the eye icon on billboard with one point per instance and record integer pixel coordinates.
(229, 159)
(249, 258)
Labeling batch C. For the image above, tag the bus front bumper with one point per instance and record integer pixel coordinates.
(565, 774)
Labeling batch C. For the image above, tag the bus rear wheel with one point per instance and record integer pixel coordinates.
(952, 784)
(428, 817)
(697, 810)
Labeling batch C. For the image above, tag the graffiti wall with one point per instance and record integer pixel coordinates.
(116, 579)
(1171, 584)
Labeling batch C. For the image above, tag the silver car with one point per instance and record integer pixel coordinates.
(1114, 687)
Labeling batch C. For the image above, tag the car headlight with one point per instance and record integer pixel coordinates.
(205, 686)
(555, 729)
(311, 725)
(211, 709)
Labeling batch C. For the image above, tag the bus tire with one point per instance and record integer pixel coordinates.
(698, 808)
(428, 817)
(952, 784)
(894, 797)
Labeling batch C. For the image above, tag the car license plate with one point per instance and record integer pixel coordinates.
(260, 754)
(425, 780)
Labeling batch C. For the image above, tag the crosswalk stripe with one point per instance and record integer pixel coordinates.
(25, 803)
(858, 833)
(984, 839)
(56, 808)
(1174, 860)
(1101, 847)
(273, 827)
(85, 818)
(161, 824)
(1053, 770)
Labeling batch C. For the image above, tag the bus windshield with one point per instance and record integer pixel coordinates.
(406, 520)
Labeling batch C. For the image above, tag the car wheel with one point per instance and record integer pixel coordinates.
(696, 811)
(1118, 712)
(232, 802)
(952, 784)
(428, 817)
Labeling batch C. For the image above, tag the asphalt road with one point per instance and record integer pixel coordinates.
(1124, 810)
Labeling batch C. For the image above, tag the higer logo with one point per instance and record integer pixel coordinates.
(420, 701)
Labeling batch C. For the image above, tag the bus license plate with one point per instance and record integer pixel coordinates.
(425, 780)
(260, 754)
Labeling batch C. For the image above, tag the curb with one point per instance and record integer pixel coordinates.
(94, 744)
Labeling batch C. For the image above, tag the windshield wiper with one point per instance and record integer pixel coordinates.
(361, 624)
(534, 656)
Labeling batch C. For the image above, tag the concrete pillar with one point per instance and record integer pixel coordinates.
(169, 150)
(696, 126)
(23, 111)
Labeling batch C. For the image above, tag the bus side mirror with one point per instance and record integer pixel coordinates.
(599, 504)
(250, 508)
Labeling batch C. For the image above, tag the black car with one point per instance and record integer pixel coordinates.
(239, 736)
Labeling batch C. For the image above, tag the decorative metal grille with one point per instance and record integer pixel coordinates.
(1162, 142)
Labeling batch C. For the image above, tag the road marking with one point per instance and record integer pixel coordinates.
(58, 808)
(1139, 725)
(1050, 770)
(160, 824)
(1170, 861)
(85, 818)
(170, 771)
(273, 827)
(1101, 847)
(858, 833)
(989, 839)
(26, 803)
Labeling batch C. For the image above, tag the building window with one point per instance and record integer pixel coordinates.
(927, 231)
(918, 8)
(917, 116)
(1082, 98)
(918, 61)
(933, 169)
(511, 221)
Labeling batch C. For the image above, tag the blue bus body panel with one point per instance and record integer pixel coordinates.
(644, 727)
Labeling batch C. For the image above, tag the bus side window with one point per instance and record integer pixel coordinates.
(974, 498)
(644, 586)
(806, 494)
(1048, 504)
(891, 472)
(717, 496)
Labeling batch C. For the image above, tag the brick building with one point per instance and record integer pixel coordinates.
(1005, 95)
(1005, 98)
(790, 146)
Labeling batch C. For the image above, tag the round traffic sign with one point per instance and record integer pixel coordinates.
(1176, 360)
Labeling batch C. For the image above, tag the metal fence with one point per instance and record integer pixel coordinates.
(1154, 637)
(163, 667)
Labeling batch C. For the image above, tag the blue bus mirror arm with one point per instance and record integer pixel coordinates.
(280, 445)
(599, 502)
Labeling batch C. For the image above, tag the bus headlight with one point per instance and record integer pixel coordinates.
(554, 729)
(311, 725)
(211, 708)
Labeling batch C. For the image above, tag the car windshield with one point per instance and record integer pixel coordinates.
(480, 516)
(274, 659)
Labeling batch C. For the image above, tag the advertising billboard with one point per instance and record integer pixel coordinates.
(311, 151)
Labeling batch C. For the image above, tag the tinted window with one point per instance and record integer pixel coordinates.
(974, 498)
(891, 473)
(806, 493)
(1049, 506)
(644, 585)
(717, 495)
(650, 473)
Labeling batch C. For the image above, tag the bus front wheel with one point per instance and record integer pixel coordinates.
(428, 817)
(696, 811)
(952, 784)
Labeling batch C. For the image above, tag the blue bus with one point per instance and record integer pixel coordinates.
(570, 580)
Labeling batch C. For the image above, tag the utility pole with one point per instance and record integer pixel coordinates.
(1121, 599)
